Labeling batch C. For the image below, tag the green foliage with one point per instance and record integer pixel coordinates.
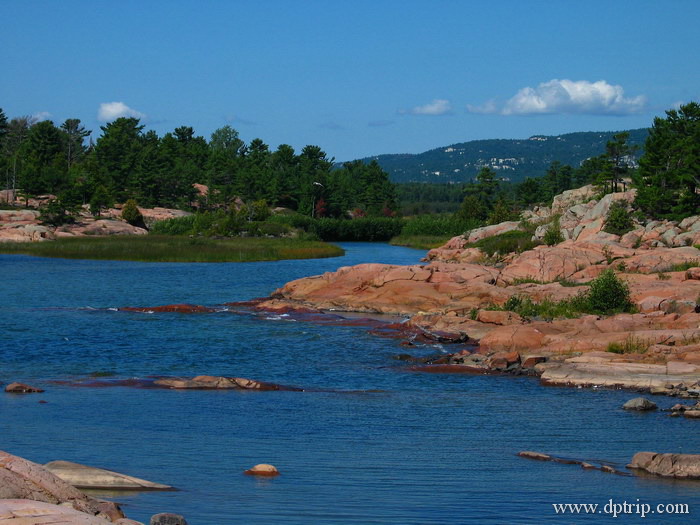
(131, 213)
(365, 229)
(100, 199)
(176, 226)
(614, 166)
(472, 209)
(546, 309)
(608, 294)
(558, 178)
(229, 224)
(618, 220)
(553, 234)
(56, 213)
(515, 241)
(669, 171)
(441, 225)
(501, 213)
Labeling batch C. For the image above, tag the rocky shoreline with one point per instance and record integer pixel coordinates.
(459, 293)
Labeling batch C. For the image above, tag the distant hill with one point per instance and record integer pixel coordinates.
(512, 159)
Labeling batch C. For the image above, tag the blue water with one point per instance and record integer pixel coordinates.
(369, 443)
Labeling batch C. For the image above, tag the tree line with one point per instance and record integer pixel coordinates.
(127, 162)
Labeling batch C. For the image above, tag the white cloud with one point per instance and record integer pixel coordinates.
(567, 96)
(113, 110)
(438, 106)
(41, 115)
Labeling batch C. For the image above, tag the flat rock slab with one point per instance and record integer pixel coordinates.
(29, 512)
(86, 477)
(620, 375)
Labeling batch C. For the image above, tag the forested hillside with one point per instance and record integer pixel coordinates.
(512, 160)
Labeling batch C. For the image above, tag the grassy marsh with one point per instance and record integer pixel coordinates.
(155, 248)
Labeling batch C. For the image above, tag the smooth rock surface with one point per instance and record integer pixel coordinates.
(83, 476)
(262, 469)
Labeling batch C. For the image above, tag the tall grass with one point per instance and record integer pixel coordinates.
(154, 248)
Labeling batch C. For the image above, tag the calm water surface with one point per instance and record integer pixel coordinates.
(372, 444)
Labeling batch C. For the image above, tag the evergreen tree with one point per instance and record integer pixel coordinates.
(75, 135)
(668, 180)
(44, 169)
(615, 167)
(118, 151)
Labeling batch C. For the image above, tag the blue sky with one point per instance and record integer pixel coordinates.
(357, 78)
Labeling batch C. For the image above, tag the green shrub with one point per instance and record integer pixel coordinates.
(553, 234)
(608, 294)
(546, 309)
(618, 220)
(131, 213)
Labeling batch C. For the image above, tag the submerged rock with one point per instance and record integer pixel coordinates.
(587, 465)
(83, 476)
(685, 466)
(175, 308)
(219, 383)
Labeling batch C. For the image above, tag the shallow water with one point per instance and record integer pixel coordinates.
(369, 443)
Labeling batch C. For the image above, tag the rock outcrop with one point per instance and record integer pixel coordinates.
(683, 466)
(24, 224)
(21, 479)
